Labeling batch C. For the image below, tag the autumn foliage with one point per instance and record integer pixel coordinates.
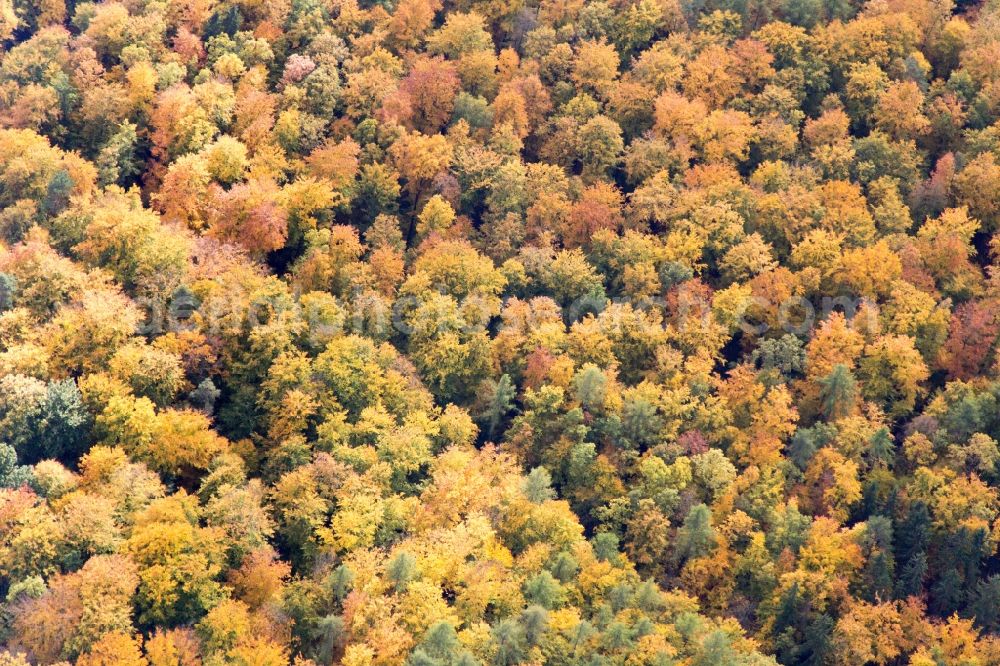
(445, 333)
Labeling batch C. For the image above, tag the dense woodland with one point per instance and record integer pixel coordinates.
(496, 332)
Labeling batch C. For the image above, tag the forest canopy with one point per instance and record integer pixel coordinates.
(499, 332)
